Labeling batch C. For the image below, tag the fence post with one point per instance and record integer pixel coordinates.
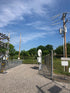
(52, 64)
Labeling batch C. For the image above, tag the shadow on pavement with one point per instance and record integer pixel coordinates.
(55, 89)
(52, 87)
(35, 67)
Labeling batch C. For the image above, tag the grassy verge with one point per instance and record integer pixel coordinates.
(29, 60)
(58, 69)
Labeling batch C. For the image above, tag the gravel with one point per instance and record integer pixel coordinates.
(26, 79)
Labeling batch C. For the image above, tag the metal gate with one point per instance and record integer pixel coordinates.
(47, 66)
(52, 68)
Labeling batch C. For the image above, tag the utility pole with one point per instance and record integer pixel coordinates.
(19, 47)
(64, 32)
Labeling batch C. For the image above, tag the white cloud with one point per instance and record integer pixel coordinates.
(47, 28)
(15, 39)
(8, 32)
(33, 36)
(35, 24)
(40, 25)
(28, 37)
(11, 10)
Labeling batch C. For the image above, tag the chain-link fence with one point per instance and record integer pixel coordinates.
(52, 68)
(47, 66)
(7, 64)
(61, 72)
(13, 63)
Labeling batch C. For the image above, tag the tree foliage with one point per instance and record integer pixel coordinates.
(49, 48)
(32, 52)
(59, 50)
(24, 53)
(68, 48)
(11, 50)
(45, 49)
(41, 47)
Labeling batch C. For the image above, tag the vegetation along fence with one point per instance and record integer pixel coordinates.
(60, 72)
(52, 68)
(47, 66)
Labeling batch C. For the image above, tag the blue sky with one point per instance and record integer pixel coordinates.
(33, 19)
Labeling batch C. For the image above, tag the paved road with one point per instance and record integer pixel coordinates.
(25, 79)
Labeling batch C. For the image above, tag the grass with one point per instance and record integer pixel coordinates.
(29, 60)
(57, 68)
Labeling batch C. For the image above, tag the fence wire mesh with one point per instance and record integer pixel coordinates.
(46, 70)
(13, 63)
(59, 72)
(4, 64)
(52, 68)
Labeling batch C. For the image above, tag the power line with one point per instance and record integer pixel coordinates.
(63, 32)
(57, 23)
(54, 17)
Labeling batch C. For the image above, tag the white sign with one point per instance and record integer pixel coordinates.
(39, 52)
(4, 58)
(69, 69)
(63, 58)
(39, 59)
(64, 63)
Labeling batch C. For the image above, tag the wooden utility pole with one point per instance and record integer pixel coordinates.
(19, 47)
(64, 32)
(64, 27)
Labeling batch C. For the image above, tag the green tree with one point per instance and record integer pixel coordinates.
(49, 48)
(24, 53)
(11, 50)
(68, 48)
(45, 49)
(59, 50)
(45, 52)
(41, 47)
(3, 47)
(2, 50)
(16, 52)
(33, 52)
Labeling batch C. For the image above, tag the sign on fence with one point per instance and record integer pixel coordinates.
(63, 58)
(69, 69)
(64, 63)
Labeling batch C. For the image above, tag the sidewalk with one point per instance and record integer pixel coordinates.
(25, 79)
